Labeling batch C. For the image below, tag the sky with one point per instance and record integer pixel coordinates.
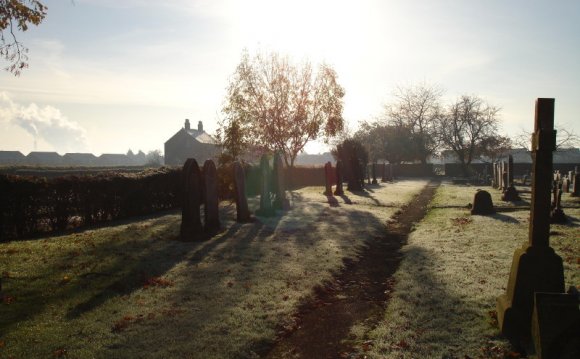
(106, 76)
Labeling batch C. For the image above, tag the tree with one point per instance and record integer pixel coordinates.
(466, 126)
(17, 15)
(564, 139)
(417, 108)
(281, 106)
(354, 157)
(154, 159)
(388, 142)
(495, 147)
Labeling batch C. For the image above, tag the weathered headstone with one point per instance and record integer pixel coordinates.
(510, 193)
(242, 212)
(327, 179)
(210, 195)
(576, 185)
(494, 175)
(339, 191)
(557, 215)
(535, 266)
(266, 209)
(374, 168)
(482, 203)
(504, 176)
(280, 200)
(190, 214)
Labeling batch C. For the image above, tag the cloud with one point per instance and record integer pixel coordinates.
(44, 123)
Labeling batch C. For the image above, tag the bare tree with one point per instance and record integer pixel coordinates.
(564, 139)
(281, 106)
(467, 124)
(17, 15)
(417, 108)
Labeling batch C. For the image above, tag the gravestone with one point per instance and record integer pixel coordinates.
(190, 214)
(565, 185)
(510, 193)
(327, 179)
(494, 175)
(557, 215)
(524, 180)
(266, 209)
(280, 200)
(210, 195)
(535, 266)
(556, 325)
(374, 168)
(482, 203)
(384, 172)
(339, 191)
(576, 185)
(242, 212)
(504, 176)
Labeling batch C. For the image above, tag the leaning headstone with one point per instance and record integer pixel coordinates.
(242, 212)
(557, 215)
(482, 203)
(266, 209)
(211, 207)
(374, 168)
(327, 179)
(190, 214)
(535, 266)
(280, 200)
(576, 185)
(339, 191)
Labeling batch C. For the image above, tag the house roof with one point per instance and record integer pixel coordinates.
(79, 156)
(201, 136)
(11, 155)
(44, 155)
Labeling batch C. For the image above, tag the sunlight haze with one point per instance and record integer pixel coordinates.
(108, 76)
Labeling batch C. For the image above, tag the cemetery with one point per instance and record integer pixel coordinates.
(405, 267)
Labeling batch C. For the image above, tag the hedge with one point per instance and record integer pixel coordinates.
(31, 205)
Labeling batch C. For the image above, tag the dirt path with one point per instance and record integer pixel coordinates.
(358, 294)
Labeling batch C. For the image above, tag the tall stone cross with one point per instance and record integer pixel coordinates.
(535, 266)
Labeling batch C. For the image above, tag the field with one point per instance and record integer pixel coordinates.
(132, 289)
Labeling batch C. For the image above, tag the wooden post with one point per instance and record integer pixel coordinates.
(535, 266)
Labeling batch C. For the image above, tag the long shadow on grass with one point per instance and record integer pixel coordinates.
(504, 218)
(432, 311)
(235, 313)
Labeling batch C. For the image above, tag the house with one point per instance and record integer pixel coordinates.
(190, 143)
(37, 158)
(11, 158)
(112, 159)
(79, 159)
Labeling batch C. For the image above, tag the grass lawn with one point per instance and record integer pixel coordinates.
(134, 290)
(455, 266)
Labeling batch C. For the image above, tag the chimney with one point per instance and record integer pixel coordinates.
(187, 128)
(200, 126)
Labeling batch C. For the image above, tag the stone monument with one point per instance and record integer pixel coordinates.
(535, 266)
(190, 214)
(242, 212)
(210, 196)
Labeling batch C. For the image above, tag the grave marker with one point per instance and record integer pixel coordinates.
(482, 203)
(266, 208)
(242, 211)
(374, 168)
(280, 200)
(535, 266)
(210, 195)
(339, 191)
(327, 178)
(190, 213)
